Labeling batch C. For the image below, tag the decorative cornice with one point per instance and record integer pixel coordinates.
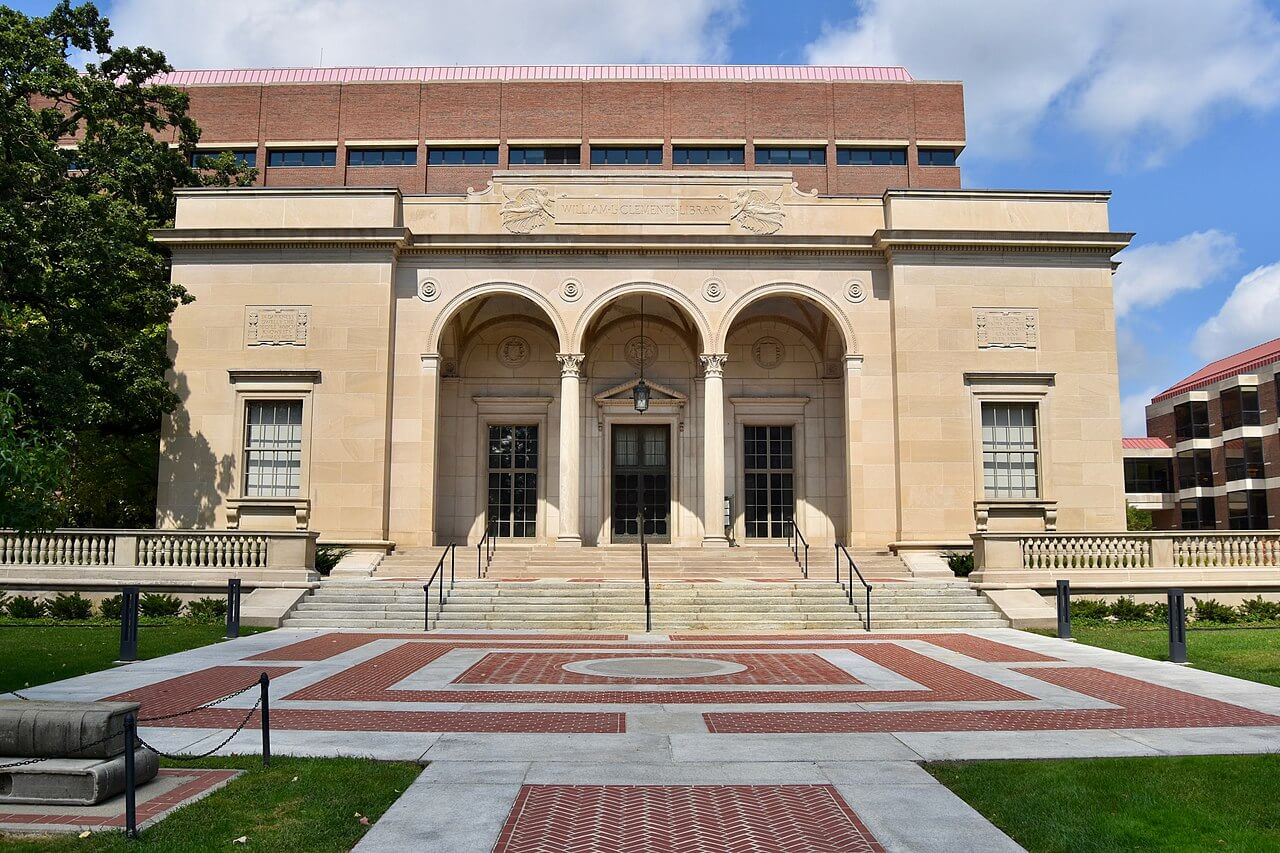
(930, 240)
(268, 375)
(283, 238)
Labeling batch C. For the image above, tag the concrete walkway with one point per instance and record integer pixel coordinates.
(612, 742)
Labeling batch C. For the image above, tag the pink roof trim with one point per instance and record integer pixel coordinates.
(1224, 368)
(1144, 443)
(438, 73)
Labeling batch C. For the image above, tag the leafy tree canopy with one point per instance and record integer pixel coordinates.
(89, 161)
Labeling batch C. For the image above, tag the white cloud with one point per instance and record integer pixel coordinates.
(1149, 275)
(276, 33)
(1133, 410)
(1143, 76)
(1250, 316)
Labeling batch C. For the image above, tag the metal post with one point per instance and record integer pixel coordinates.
(1064, 609)
(265, 681)
(837, 549)
(453, 558)
(130, 777)
(1177, 627)
(426, 607)
(233, 608)
(129, 623)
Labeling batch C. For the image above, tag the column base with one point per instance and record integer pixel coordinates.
(715, 542)
(568, 541)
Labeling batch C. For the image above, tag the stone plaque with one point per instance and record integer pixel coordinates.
(277, 325)
(534, 207)
(513, 351)
(641, 351)
(1007, 328)
(768, 353)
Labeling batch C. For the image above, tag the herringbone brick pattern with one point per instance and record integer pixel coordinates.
(683, 819)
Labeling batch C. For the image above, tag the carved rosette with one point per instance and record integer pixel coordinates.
(855, 290)
(712, 290)
(428, 289)
(571, 290)
(570, 363)
(713, 365)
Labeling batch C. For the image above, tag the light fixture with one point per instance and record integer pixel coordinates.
(640, 394)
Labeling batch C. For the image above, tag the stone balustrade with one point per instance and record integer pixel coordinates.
(1154, 558)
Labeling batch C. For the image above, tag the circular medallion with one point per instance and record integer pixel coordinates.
(712, 290)
(855, 290)
(570, 290)
(641, 351)
(768, 353)
(513, 351)
(653, 667)
(428, 290)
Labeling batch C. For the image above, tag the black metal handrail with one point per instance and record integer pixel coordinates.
(449, 551)
(794, 540)
(853, 571)
(644, 574)
(486, 546)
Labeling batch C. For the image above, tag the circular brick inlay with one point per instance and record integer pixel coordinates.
(654, 667)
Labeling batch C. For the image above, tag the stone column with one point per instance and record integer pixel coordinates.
(713, 451)
(855, 484)
(570, 448)
(428, 461)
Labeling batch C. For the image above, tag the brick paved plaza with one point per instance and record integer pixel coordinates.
(599, 742)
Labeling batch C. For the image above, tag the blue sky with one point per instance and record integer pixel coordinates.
(1173, 105)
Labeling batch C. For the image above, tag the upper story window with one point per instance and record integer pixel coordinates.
(482, 156)
(1010, 450)
(1148, 475)
(779, 156)
(302, 157)
(1240, 407)
(871, 156)
(936, 156)
(1198, 514)
(1191, 420)
(1195, 468)
(542, 155)
(244, 158)
(1244, 459)
(707, 155)
(273, 448)
(646, 155)
(382, 156)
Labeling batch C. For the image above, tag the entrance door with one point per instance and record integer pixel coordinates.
(769, 480)
(513, 481)
(641, 467)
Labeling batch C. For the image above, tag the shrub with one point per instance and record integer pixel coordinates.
(73, 606)
(4, 602)
(1259, 610)
(110, 608)
(25, 607)
(1160, 613)
(1089, 608)
(327, 556)
(1125, 609)
(209, 610)
(961, 563)
(1138, 519)
(159, 604)
(1211, 610)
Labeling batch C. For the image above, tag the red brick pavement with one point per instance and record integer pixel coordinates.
(547, 668)
(196, 688)
(338, 720)
(683, 819)
(978, 648)
(329, 645)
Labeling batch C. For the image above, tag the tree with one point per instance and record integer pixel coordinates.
(1138, 519)
(89, 162)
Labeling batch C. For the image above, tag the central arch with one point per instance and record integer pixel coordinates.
(637, 287)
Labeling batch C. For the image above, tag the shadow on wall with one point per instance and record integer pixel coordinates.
(192, 478)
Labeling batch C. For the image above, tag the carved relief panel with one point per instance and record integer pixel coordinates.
(276, 325)
(1007, 328)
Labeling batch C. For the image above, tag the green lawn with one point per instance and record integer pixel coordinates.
(297, 804)
(1252, 653)
(1226, 802)
(34, 654)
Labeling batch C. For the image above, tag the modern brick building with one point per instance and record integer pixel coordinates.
(1211, 457)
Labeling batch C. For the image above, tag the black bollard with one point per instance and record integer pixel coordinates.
(130, 778)
(265, 682)
(1177, 627)
(128, 623)
(233, 608)
(1064, 609)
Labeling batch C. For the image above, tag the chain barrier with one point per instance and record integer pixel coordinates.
(82, 747)
(206, 705)
(15, 693)
(176, 757)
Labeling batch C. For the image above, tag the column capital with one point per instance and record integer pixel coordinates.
(570, 363)
(713, 363)
(853, 363)
(431, 361)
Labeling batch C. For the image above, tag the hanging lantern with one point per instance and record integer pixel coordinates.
(640, 396)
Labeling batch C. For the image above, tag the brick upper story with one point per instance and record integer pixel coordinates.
(579, 106)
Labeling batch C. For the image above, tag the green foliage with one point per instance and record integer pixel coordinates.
(961, 563)
(159, 604)
(73, 606)
(1138, 519)
(1125, 609)
(4, 602)
(1259, 610)
(25, 607)
(328, 556)
(111, 608)
(1089, 608)
(1211, 610)
(207, 610)
(85, 296)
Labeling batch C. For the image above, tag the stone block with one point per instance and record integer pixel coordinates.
(42, 729)
(74, 782)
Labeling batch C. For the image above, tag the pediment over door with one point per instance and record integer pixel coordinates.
(661, 399)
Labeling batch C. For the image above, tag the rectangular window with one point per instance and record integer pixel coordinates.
(382, 157)
(273, 448)
(1244, 459)
(1240, 407)
(1195, 469)
(1247, 510)
(302, 157)
(936, 156)
(1010, 450)
(244, 158)
(648, 155)
(1144, 476)
(1191, 420)
(780, 156)
(560, 155)
(463, 156)
(702, 155)
(513, 480)
(1198, 514)
(871, 156)
(768, 480)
